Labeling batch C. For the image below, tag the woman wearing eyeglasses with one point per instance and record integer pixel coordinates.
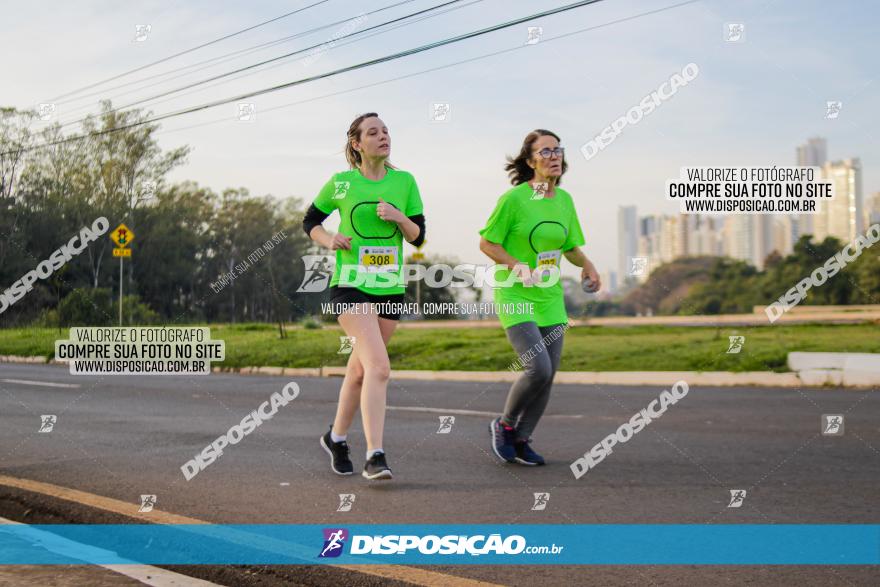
(379, 206)
(533, 225)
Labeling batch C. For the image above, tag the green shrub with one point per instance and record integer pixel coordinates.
(96, 307)
(309, 323)
(86, 307)
(136, 313)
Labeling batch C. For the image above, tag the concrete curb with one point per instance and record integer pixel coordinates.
(834, 378)
(847, 369)
(40, 360)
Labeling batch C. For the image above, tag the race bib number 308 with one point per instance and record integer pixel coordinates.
(378, 259)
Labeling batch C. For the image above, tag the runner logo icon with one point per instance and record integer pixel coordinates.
(346, 345)
(319, 268)
(736, 344)
(539, 191)
(334, 541)
(639, 265)
(47, 422)
(737, 496)
(541, 500)
(446, 423)
(341, 189)
(832, 424)
(147, 503)
(346, 500)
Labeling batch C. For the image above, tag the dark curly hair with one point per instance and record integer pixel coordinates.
(518, 168)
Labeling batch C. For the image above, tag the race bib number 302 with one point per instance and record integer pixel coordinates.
(378, 259)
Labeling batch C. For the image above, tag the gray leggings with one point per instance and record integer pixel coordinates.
(539, 350)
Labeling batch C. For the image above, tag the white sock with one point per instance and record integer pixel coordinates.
(336, 438)
(370, 453)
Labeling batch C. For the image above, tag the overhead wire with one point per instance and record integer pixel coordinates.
(190, 50)
(339, 71)
(213, 61)
(261, 63)
(339, 45)
(544, 40)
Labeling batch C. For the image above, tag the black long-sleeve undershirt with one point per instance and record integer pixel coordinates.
(315, 217)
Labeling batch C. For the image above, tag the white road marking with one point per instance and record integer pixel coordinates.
(146, 574)
(40, 383)
(469, 412)
(395, 572)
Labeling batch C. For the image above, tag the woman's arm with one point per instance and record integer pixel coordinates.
(312, 227)
(588, 270)
(329, 240)
(411, 231)
(500, 255)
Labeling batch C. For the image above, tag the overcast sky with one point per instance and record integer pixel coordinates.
(751, 104)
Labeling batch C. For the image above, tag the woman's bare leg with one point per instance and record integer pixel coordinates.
(372, 371)
(350, 393)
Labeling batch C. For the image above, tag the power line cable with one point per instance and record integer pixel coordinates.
(229, 56)
(196, 48)
(544, 40)
(265, 62)
(339, 71)
(350, 42)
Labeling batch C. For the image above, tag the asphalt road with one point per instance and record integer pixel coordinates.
(123, 436)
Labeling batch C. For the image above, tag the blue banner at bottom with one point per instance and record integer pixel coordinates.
(448, 544)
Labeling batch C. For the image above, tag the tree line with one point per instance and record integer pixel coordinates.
(721, 285)
(198, 255)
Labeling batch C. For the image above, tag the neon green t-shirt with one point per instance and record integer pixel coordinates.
(375, 262)
(533, 228)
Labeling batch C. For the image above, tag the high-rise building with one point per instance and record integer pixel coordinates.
(842, 216)
(739, 237)
(813, 153)
(764, 238)
(649, 235)
(785, 234)
(627, 237)
(750, 237)
(872, 210)
(673, 237)
(703, 235)
(609, 281)
(648, 247)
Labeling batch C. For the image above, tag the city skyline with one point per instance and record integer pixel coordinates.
(750, 237)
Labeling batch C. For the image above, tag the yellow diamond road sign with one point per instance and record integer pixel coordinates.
(418, 255)
(122, 236)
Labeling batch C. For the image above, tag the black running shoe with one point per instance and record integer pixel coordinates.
(376, 467)
(503, 438)
(526, 456)
(338, 451)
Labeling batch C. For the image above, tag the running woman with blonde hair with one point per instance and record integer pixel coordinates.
(532, 227)
(379, 205)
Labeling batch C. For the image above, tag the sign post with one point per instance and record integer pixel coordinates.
(122, 237)
(418, 256)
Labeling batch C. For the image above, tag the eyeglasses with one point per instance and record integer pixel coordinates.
(546, 152)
